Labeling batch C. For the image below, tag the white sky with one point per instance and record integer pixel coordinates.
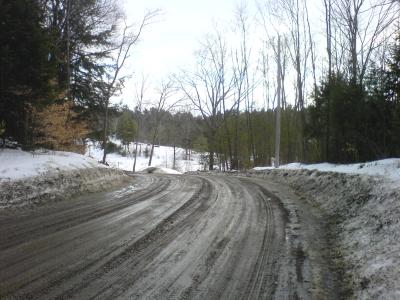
(168, 46)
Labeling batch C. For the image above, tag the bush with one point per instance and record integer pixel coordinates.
(146, 152)
(123, 152)
(113, 148)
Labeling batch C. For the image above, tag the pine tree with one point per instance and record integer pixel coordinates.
(392, 90)
(338, 126)
(25, 72)
(126, 128)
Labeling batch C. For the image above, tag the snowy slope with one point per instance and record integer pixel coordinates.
(363, 212)
(388, 168)
(18, 164)
(162, 158)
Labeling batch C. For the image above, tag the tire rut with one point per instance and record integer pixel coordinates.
(140, 251)
(60, 221)
(185, 237)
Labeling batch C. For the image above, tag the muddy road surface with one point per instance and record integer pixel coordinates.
(168, 237)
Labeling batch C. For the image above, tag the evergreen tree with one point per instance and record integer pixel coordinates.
(336, 120)
(26, 75)
(82, 35)
(126, 128)
(392, 92)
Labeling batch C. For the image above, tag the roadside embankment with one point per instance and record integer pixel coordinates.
(363, 213)
(58, 185)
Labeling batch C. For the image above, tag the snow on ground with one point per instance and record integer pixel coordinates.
(160, 170)
(162, 159)
(18, 164)
(388, 168)
(364, 212)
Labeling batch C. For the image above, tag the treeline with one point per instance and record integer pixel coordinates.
(184, 130)
(180, 129)
(351, 122)
(61, 62)
(345, 122)
(334, 100)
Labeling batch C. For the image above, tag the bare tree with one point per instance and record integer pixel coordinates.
(166, 91)
(290, 17)
(295, 12)
(242, 20)
(363, 23)
(114, 80)
(140, 92)
(208, 87)
(328, 33)
(312, 47)
(278, 107)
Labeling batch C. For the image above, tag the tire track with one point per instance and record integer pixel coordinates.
(96, 214)
(262, 281)
(184, 237)
(145, 248)
(14, 235)
(43, 276)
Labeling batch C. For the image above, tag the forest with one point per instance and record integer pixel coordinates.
(284, 93)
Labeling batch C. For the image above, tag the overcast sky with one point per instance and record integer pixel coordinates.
(169, 44)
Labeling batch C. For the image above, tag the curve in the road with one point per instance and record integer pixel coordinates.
(164, 237)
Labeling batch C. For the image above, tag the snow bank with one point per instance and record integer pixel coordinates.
(388, 168)
(18, 164)
(363, 212)
(32, 178)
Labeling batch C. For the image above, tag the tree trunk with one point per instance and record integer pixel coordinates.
(152, 146)
(227, 132)
(105, 133)
(278, 108)
(151, 154)
(174, 162)
(134, 162)
(235, 161)
(211, 158)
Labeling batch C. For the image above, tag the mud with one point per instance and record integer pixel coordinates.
(169, 237)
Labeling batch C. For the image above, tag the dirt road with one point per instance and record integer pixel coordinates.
(168, 237)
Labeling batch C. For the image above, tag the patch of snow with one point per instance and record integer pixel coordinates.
(263, 168)
(18, 164)
(160, 170)
(169, 171)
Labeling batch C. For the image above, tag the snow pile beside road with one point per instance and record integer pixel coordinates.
(364, 214)
(388, 168)
(18, 164)
(32, 178)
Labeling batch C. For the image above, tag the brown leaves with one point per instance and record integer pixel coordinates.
(58, 128)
